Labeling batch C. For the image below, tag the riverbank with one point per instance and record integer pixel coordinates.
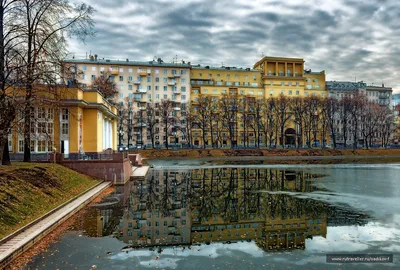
(30, 190)
(281, 156)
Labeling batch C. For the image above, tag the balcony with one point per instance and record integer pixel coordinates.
(138, 125)
(171, 83)
(176, 92)
(114, 72)
(177, 108)
(177, 75)
(143, 73)
(141, 90)
(137, 99)
(137, 82)
(142, 108)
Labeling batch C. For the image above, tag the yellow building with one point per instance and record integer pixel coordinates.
(217, 82)
(287, 76)
(69, 120)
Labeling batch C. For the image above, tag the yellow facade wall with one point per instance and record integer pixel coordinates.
(90, 130)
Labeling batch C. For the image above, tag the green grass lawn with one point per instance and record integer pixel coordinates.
(30, 190)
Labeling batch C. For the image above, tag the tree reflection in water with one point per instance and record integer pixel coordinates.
(184, 207)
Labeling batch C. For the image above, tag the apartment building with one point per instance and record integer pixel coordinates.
(380, 95)
(139, 84)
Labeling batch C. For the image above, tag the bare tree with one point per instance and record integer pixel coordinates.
(151, 121)
(270, 122)
(105, 85)
(228, 107)
(203, 113)
(282, 112)
(9, 70)
(167, 119)
(345, 105)
(330, 110)
(298, 110)
(45, 24)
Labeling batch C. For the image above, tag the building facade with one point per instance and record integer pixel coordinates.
(80, 122)
(140, 85)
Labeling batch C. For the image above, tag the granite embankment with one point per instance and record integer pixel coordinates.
(30, 190)
(280, 156)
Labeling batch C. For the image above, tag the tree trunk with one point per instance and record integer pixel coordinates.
(6, 155)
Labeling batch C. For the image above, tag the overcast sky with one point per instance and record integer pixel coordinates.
(350, 39)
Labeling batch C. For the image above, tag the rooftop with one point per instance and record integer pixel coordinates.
(224, 68)
(127, 63)
(345, 85)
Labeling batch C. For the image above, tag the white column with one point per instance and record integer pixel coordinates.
(104, 134)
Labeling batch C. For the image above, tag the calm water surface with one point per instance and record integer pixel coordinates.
(218, 216)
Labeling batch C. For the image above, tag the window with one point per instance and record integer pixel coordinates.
(93, 77)
(165, 96)
(101, 68)
(121, 86)
(121, 78)
(41, 113)
(41, 146)
(183, 72)
(218, 75)
(9, 144)
(50, 128)
(20, 145)
(165, 71)
(41, 127)
(290, 92)
(64, 115)
(157, 96)
(165, 88)
(84, 67)
(64, 129)
(183, 80)
(149, 87)
(282, 83)
(93, 68)
(32, 146)
(165, 80)
(183, 88)
(157, 88)
(183, 97)
(297, 83)
(283, 92)
(200, 74)
(83, 77)
(149, 96)
(157, 79)
(130, 70)
(33, 127)
(148, 79)
(242, 92)
(121, 95)
(50, 114)
(297, 93)
(130, 87)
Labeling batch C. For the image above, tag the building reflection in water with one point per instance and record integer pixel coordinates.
(187, 207)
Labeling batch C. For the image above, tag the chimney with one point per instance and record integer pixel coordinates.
(95, 57)
(383, 85)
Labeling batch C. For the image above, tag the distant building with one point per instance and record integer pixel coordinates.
(395, 100)
(339, 89)
(380, 94)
